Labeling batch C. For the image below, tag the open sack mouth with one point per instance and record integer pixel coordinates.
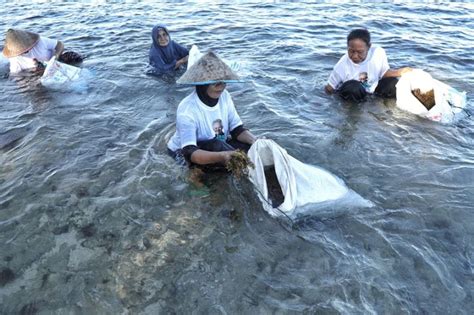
(285, 184)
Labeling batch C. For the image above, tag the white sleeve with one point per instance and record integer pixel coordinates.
(15, 66)
(187, 130)
(337, 75)
(234, 118)
(383, 61)
(334, 79)
(49, 43)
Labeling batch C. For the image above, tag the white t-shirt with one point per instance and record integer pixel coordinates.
(369, 72)
(42, 51)
(195, 121)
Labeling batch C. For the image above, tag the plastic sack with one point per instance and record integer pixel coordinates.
(59, 74)
(449, 103)
(194, 55)
(300, 183)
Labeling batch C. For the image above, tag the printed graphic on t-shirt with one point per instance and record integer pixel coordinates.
(364, 80)
(218, 129)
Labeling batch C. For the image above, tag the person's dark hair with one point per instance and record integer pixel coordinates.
(360, 33)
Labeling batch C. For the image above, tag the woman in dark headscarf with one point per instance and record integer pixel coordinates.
(166, 55)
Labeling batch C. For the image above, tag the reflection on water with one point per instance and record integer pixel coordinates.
(96, 218)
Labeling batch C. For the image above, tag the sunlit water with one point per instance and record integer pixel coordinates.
(96, 218)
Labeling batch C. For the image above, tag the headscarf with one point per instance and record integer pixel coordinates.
(163, 59)
(201, 91)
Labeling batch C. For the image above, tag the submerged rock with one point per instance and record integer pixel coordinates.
(6, 275)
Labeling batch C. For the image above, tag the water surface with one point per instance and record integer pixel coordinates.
(96, 218)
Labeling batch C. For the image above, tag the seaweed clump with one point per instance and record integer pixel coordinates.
(239, 163)
(427, 99)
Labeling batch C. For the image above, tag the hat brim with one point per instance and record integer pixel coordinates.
(213, 82)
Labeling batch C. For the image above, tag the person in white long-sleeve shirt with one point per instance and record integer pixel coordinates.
(25, 49)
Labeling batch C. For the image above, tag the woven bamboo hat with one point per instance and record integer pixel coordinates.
(18, 41)
(207, 70)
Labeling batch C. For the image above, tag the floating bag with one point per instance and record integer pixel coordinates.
(194, 55)
(449, 103)
(300, 183)
(58, 74)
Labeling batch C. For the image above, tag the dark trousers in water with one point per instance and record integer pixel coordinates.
(353, 90)
(216, 145)
(213, 145)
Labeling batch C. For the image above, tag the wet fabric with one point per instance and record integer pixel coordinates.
(354, 90)
(163, 59)
(387, 88)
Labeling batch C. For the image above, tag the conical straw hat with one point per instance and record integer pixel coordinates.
(207, 70)
(18, 42)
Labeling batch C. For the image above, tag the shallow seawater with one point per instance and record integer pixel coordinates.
(96, 218)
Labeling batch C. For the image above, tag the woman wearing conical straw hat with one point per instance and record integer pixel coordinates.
(26, 49)
(208, 128)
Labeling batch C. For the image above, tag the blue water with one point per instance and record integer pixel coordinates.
(96, 218)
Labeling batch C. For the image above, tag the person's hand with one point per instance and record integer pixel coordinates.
(226, 156)
(328, 89)
(179, 63)
(405, 70)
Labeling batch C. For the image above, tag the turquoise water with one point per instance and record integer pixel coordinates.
(96, 218)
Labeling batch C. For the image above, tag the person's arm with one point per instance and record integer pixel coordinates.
(396, 72)
(181, 61)
(203, 157)
(159, 65)
(182, 54)
(246, 137)
(58, 50)
(333, 81)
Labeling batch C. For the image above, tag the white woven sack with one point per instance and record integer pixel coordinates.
(300, 183)
(449, 102)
